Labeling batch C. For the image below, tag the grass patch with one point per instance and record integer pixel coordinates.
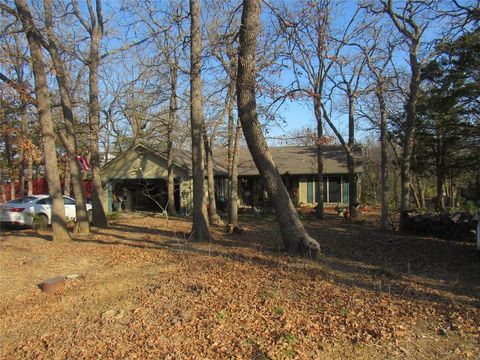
(289, 338)
(278, 310)
(220, 315)
(267, 294)
(113, 216)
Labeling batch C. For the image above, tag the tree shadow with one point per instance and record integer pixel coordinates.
(357, 254)
(23, 232)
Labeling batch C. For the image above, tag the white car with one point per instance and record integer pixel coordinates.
(36, 209)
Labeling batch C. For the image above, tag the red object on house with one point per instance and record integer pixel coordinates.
(40, 186)
(83, 161)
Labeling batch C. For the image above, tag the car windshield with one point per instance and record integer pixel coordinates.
(22, 200)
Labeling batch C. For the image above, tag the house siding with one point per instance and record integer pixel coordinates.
(303, 191)
(143, 165)
(135, 166)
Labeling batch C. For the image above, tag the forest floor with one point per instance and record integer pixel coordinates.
(146, 292)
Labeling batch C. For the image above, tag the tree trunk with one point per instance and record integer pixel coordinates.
(67, 179)
(439, 203)
(29, 174)
(379, 92)
(3, 197)
(440, 176)
(214, 218)
(8, 155)
(453, 195)
(24, 153)
(233, 186)
(320, 210)
(396, 195)
(415, 197)
(98, 194)
(421, 186)
(12, 190)
(172, 110)
(231, 149)
(200, 229)
(410, 123)
(170, 179)
(73, 172)
(21, 174)
(352, 188)
(294, 236)
(21, 179)
(59, 228)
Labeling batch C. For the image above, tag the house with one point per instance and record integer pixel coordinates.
(298, 167)
(138, 175)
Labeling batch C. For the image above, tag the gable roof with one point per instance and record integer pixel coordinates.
(181, 158)
(294, 160)
(300, 160)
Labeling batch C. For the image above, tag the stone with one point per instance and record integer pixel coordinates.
(72, 276)
(238, 229)
(112, 314)
(52, 285)
(442, 332)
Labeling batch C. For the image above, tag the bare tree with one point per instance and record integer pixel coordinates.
(406, 18)
(94, 27)
(223, 37)
(294, 236)
(59, 228)
(16, 63)
(200, 218)
(312, 51)
(168, 33)
(69, 135)
(350, 73)
(378, 59)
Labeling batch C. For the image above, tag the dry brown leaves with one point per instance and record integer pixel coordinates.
(145, 292)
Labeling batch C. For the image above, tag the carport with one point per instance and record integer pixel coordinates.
(143, 194)
(138, 177)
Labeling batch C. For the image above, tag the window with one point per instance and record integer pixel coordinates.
(345, 191)
(22, 200)
(334, 189)
(310, 183)
(68, 201)
(45, 201)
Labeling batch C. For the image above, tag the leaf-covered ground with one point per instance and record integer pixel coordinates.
(145, 291)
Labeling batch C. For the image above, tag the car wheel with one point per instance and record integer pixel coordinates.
(89, 216)
(40, 221)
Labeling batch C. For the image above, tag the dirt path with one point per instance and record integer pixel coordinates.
(146, 292)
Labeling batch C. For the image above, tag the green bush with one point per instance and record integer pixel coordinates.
(113, 216)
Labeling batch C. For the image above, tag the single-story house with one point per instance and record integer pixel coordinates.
(139, 177)
(298, 167)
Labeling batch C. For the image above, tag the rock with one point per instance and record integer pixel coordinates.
(238, 229)
(72, 276)
(230, 228)
(52, 285)
(112, 314)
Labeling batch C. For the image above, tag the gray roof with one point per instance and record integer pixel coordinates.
(299, 160)
(294, 160)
